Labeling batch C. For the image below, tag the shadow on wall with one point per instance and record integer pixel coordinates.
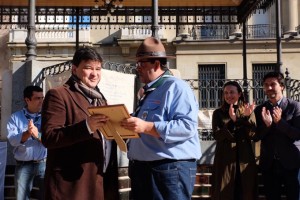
(111, 39)
(208, 152)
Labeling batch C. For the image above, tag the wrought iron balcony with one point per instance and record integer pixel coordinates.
(222, 32)
(261, 31)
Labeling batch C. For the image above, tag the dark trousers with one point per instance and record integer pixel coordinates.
(277, 176)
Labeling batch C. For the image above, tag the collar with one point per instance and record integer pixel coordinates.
(277, 103)
(31, 115)
(167, 73)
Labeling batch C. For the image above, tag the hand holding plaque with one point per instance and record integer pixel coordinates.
(112, 129)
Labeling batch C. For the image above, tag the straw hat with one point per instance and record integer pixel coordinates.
(151, 48)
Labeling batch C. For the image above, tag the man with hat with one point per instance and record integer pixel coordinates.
(163, 160)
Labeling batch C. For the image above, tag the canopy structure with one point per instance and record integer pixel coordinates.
(94, 11)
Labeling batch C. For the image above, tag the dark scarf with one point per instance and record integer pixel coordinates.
(94, 96)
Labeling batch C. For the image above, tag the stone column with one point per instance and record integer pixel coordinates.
(183, 29)
(292, 14)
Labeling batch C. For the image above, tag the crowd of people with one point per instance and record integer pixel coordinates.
(237, 124)
(57, 141)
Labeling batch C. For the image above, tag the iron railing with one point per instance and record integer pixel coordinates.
(209, 91)
(261, 31)
(66, 66)
(223, 31)
(293, 89)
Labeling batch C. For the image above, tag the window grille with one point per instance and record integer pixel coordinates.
(259, 70)
(211, 81)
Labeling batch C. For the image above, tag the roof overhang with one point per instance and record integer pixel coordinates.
(126, 3)
(233, 11)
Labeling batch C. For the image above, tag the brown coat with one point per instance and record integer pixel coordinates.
(74, 162)
(233, 145)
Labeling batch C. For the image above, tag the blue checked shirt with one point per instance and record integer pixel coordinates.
(31, 149)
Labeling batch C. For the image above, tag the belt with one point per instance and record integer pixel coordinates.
(30, 161)
(163, 161)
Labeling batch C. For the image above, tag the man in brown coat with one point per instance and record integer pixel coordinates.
(81, 164)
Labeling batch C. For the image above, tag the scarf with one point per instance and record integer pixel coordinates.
(94, 96)
(148, 90)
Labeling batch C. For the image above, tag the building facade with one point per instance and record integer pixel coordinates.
(206, 55)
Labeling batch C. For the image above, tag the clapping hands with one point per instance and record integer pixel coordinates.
(268, 118)
(277, 112)
(248, 109)
(32, 129)
(232, 113)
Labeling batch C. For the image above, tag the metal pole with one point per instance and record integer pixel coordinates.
(155, 26)
(77, 28)
(278, 36)
(245, 83)
(30, 40)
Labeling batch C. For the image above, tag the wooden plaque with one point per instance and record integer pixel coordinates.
(116, 114)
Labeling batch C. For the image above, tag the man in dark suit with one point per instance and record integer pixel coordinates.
(81, 164)
(278, 125)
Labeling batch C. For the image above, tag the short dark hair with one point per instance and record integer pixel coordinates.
(279, 76)
(28, 91)
(86, 53)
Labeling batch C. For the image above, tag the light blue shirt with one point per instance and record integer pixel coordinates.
(31, 149)
(173, 108)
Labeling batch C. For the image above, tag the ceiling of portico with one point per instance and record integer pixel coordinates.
(203, 11)
(130, 3)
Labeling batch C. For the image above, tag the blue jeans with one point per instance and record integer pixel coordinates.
(162, 180)
(24, 175)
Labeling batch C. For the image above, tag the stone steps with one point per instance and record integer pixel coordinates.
(202, 187)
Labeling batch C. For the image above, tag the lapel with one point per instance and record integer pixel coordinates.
(283, 105)
(81, 102)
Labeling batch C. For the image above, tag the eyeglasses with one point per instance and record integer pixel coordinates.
(141, 63)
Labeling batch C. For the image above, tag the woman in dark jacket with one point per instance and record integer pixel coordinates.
(234, 168)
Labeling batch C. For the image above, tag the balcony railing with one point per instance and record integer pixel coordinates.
(49, 34)
(139, 32)
(222, 32)
(261, 31)
(59, 34)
